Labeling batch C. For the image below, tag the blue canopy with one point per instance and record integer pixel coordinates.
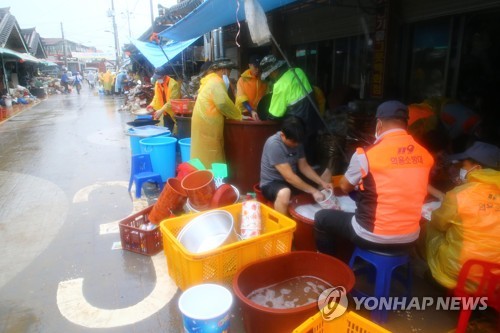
(212, 14)
(154, 53)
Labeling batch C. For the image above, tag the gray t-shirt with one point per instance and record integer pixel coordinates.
(276, 152)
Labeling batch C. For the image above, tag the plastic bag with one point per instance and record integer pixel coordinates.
(257, 22)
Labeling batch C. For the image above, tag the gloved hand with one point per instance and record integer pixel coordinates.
(150, 109)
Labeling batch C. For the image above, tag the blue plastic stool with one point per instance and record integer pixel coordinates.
(384, 264)
(141, 172)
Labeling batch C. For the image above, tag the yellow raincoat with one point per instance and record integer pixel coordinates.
(164, 92)
(249, 89)
(466, 226)
(207, 123)
(107, 80)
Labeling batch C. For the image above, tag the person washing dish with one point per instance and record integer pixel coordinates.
(282, 158)
(250, 88)
(166, 89)
(391, 177)
(212, 107)
(467, 225)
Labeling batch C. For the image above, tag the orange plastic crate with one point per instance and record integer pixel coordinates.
(220, 265)
(147, 242)
(349, 322)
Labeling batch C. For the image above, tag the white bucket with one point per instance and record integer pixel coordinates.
(8, 102)
(330, 201)
(206, 308)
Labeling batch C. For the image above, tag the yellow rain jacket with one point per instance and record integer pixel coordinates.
(164, 92)
(107, 80)
(207, 123)
(320, 99)
(249, 89)
(466, 226)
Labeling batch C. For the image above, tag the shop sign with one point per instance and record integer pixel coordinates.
(379, 49)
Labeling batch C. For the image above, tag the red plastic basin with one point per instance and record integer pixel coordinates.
(260, 319)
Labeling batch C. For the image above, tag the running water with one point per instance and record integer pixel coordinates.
(289, 294)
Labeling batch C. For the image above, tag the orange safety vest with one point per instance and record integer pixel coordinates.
(394, 188)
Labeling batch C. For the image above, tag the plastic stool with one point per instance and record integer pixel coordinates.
(384, 264)
(141, 172)
(260, 197)
(485, 277)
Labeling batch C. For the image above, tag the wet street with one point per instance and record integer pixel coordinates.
(64, 171)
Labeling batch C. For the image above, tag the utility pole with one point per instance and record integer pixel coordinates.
(128, 21)
(64, 48)
(151, 9)
(115, 32)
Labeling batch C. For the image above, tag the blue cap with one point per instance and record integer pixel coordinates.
(484, 153)
(392, 109)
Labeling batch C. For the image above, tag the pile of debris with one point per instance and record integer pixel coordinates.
(138, 98)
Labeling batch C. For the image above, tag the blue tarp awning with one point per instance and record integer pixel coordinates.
(154, 54)
(212, 14)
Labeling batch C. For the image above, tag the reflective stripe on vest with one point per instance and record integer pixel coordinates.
(395, 185)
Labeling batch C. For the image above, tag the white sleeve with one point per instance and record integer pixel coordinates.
(357, 168)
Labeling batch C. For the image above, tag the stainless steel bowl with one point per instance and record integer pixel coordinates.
(208, 231)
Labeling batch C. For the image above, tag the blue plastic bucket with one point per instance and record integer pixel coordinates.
(200, 315)
(139, 133)
(161, 149)
(185, 145)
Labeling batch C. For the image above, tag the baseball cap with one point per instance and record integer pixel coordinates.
(269, 64)
(159, 73)
(392, 109)
(484, 153)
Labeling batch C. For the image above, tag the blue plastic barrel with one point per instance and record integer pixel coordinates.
(185, 145)
(161, 149)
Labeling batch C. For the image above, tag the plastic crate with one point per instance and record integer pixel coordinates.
(220, 265)
(349, 322)
(147, 242)
(182, 106)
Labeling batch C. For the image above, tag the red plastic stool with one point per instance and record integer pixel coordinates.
(484, 284)
(260, 196)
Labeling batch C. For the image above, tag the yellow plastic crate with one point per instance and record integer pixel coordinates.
(349, 322)
(220, 265)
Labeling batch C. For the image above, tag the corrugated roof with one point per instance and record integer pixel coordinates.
(10, 33)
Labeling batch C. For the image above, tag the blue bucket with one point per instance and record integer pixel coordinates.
(201, 316)
(161, 149)
(185, 145)
(139, 133)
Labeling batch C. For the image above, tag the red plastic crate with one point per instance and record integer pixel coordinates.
(182, 106)
(147, 242)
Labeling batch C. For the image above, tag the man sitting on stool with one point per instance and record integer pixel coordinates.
(392, 177)
(282, 157)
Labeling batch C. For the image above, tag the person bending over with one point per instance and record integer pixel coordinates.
(391, 177)
(282, 158)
